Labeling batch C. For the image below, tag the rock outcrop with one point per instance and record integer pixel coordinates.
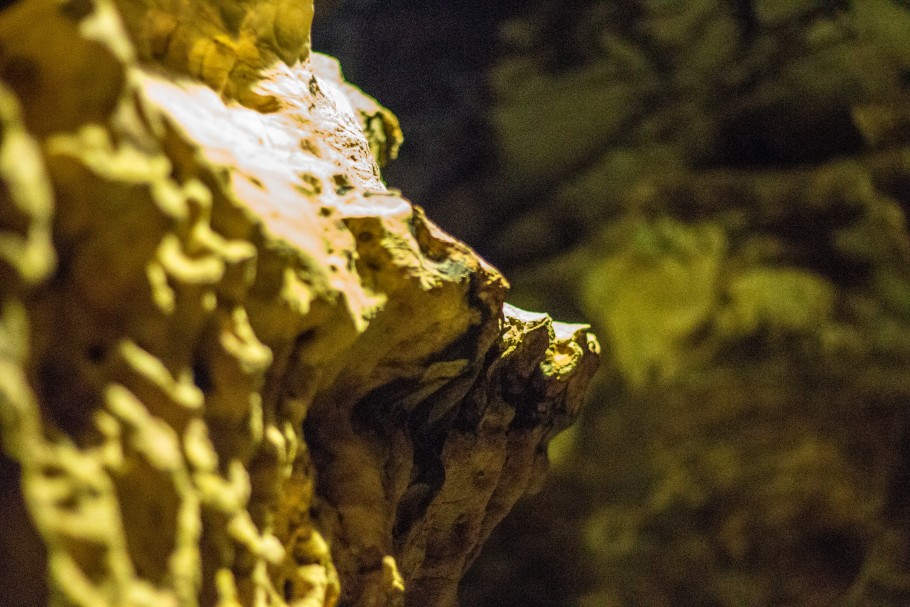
(235, 369)
(721, 187)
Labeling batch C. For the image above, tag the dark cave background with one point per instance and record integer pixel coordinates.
(720, 187)
(429, 63)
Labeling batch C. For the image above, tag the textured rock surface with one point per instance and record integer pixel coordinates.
(234, 368)
(721, 187)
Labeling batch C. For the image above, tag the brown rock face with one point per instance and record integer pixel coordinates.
(235, 369)
(722, 188)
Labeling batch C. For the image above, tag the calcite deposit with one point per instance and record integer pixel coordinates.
(236, 369)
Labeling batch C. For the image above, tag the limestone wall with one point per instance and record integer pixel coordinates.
(235, 369)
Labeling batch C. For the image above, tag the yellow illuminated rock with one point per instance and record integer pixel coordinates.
(235, 369)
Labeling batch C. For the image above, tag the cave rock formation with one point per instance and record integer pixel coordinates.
(235, 368)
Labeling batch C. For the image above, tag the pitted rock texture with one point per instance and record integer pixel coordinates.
(236, 369)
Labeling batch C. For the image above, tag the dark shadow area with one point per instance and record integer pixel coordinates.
(23, 557)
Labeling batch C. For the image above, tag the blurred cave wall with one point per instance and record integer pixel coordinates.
(721, 188)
